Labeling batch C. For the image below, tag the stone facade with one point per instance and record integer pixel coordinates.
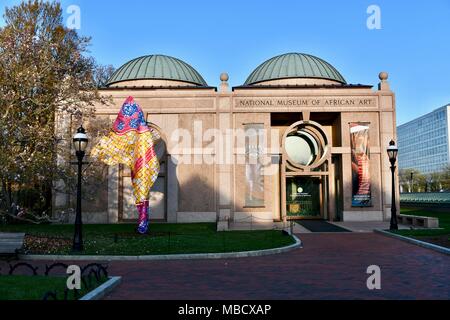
(203, 176)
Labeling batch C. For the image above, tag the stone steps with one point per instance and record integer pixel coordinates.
(252, 226)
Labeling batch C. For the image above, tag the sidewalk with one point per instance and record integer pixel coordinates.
(358, 227)
(367, 227)
(330, 266)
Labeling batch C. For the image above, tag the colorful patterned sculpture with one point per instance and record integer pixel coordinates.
(130, 142)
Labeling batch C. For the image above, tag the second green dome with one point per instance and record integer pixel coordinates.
(294, 65)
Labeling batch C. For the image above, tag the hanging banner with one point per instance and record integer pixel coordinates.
(361, 184)
(254, 177)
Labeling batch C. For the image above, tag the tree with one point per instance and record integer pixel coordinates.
(44, 70)
(432, 182)
(445, 178)
(411, 180)
(435, 181)
(102, 75)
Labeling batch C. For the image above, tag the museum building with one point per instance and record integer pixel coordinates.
(295, 141)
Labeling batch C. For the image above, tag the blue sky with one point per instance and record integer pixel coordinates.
(236, 36)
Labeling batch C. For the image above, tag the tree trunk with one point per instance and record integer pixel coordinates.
(6, 195)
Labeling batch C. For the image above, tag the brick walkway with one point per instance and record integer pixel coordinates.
(331, 266)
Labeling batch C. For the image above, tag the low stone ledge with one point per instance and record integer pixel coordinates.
(199, 256)
(416, 242)
(103, 290)
(419, 221)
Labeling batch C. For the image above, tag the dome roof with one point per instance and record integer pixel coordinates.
(294, 65)
(157, 67)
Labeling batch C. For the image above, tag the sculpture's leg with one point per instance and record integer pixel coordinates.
(143, 209)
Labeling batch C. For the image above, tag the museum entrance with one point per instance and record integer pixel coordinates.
(304, 198)
(306, 158)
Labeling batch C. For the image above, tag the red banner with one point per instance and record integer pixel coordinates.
(361, 183)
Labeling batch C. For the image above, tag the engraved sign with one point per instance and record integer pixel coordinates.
(309, 102)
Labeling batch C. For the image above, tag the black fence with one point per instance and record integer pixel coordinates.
(92, 275)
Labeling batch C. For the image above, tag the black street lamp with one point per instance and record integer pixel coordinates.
(392, 153)
(80, 141)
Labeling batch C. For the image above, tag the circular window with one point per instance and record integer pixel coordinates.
(306, 144)
(302, 148)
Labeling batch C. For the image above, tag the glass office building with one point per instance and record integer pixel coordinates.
(424, 142)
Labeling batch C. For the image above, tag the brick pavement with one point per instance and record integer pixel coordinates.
(331, 266)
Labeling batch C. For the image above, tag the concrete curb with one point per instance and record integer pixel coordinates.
(103, 290)
(415, 242)
(229, 255)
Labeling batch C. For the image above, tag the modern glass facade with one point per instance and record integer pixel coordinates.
(424, 142)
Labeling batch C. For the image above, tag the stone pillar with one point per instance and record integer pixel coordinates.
(276, 185)
(61, 196)
(388, 132)
(331, 191)
(172, 191)
(113, 194)
(224, 159)
(224, 86)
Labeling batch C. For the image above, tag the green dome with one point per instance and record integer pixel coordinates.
(294, 65)
(158, 67)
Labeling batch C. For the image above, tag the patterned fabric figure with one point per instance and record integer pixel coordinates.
(130, 142)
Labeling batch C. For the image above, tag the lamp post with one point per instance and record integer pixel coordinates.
(392, 153)
(80, 141)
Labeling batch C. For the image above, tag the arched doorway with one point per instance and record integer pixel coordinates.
(306, 157)
(158, 194)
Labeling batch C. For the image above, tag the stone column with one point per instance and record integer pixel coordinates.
(61, 196)
(224, 159)
(387, 133)
(113, 194)
(172, 191)
(331, 191)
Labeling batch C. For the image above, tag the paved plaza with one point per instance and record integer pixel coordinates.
(330, 266)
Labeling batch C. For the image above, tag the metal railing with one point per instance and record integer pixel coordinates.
(92, 275)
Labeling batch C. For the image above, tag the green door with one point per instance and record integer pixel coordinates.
(303, 198)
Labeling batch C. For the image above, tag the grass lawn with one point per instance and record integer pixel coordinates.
(121, 239)
(33, 288)
(438, 236)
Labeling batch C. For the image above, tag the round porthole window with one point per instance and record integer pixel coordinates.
(306, 144)
(302, 148)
